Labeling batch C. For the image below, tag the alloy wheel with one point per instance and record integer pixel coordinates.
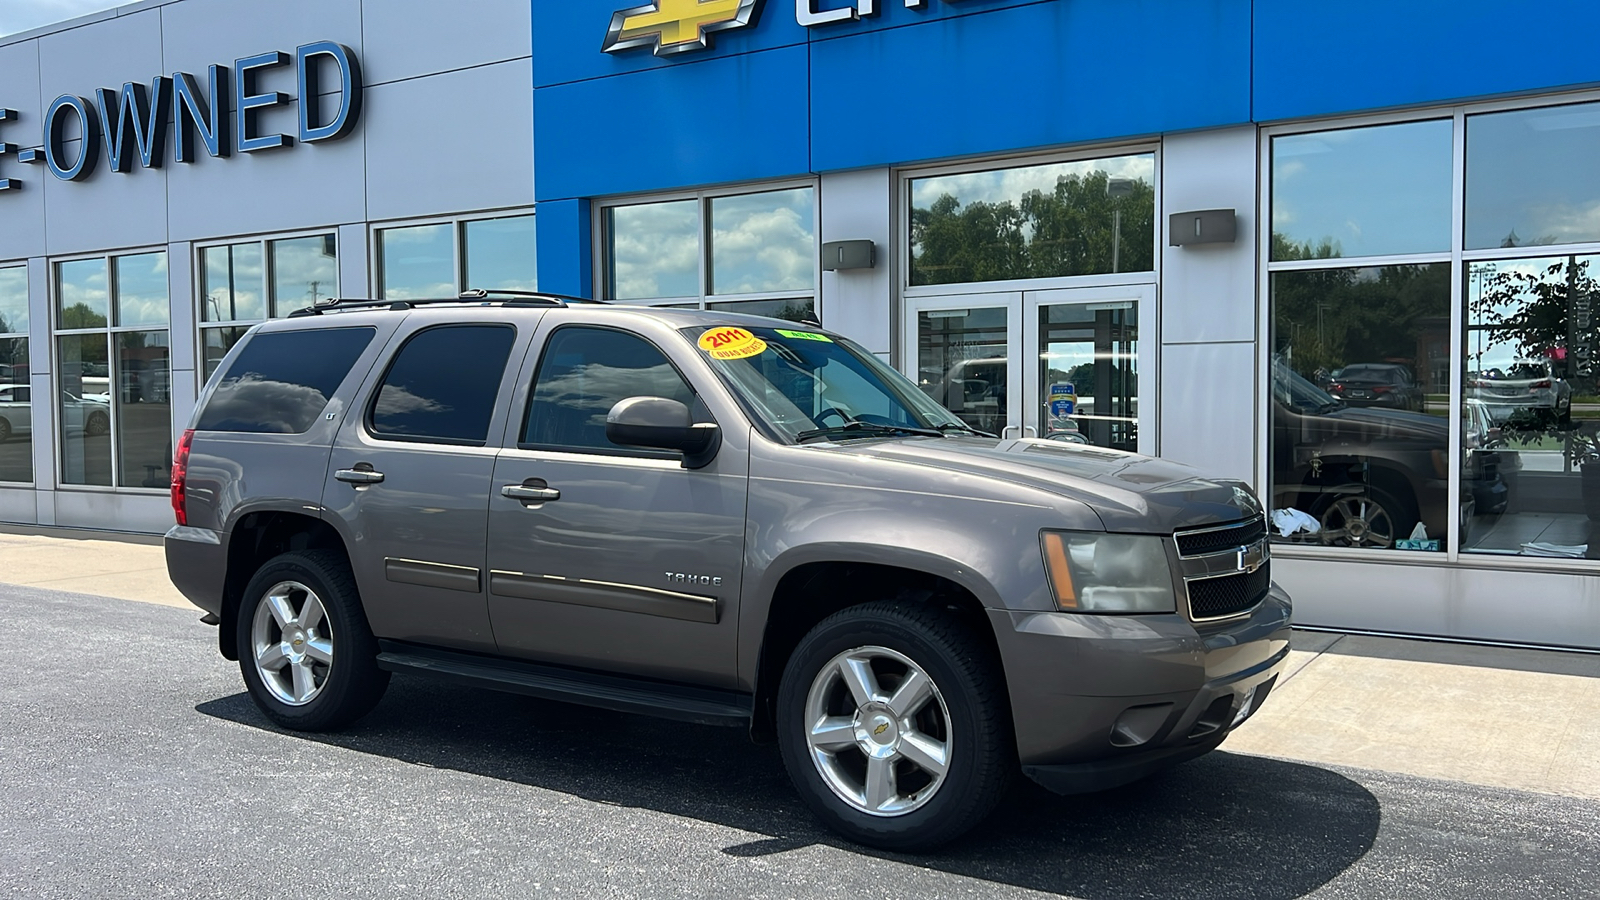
(878, 731)
(1358, 522)
(292, 643)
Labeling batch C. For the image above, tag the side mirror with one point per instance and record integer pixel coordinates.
(662, 424)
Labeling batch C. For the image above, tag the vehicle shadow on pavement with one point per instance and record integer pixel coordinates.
(1221, 826)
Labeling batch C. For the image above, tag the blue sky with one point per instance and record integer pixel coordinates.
(21, 15)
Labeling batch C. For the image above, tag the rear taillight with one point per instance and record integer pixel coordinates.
(180, 475)
(1382, 388)
(1541, 384)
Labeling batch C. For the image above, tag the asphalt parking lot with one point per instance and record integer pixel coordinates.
(135, 766)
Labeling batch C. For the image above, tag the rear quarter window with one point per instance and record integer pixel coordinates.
(282, 380)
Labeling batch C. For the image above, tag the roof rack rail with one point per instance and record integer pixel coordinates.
(516, 299)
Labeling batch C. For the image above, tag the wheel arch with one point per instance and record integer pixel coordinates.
(256, 537)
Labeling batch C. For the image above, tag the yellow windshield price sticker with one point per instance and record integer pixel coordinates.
(731, 343)
(805, 335)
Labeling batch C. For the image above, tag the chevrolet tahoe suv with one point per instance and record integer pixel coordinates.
(721, 519)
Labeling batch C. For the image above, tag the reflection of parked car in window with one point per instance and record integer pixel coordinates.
(16, 414)
(1377, 384)
(975, 390)
(1370, 475)
(1525, 384)
(82, 414)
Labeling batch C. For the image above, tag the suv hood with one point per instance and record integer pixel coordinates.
(1129, 492)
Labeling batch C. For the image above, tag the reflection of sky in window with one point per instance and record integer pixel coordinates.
(304, 270)
(1532, 173)
(231, 281)
(14, 300)
(1373, 191)
(1482, 351)
(418, 262)
(83, 282)
(655, 250)
(501, 254)
(763, 242)
(1002, 185)
(142, 289)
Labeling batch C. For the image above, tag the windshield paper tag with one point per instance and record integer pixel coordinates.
(805, 335)
(731, 343)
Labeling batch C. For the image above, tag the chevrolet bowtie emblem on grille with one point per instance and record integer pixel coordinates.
(1252, 557)
(673, 26)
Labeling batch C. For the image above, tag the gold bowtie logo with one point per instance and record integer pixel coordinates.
(673, 26)
(881, 729)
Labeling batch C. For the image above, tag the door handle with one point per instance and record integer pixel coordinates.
(359, 475)
(1007, 430)
(530, 493)
(1029, 431)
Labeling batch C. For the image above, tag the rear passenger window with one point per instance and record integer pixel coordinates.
(583, 372)
(442, 385)
(281, 380)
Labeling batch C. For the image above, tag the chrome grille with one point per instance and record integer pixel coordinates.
(1200, 541)
(1216, 598)
(1225, 568)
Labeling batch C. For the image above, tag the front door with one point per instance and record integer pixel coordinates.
(609, 557)
(1064, 364)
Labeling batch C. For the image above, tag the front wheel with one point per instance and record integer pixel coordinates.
(894, 725)
(306, 652)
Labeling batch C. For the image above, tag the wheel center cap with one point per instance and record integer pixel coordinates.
(877, 732)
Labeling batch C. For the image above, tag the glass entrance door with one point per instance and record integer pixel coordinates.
(963, 351)
(1088, 367)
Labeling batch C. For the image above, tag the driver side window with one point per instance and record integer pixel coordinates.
(582, 373)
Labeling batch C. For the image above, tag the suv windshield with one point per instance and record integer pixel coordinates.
(806, 385)
(1294, 391)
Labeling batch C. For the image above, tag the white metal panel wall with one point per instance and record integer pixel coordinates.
(21, 210)
(408, 38)
(452, 142)
(200, 33)
(855, 302)
(1208, 306)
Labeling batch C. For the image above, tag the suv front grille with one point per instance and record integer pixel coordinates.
(1226, 595)
(1223, 537)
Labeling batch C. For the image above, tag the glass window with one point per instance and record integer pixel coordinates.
(1360, 376)
(799, 310)
(231, 283)
(14, 300)
(281, 381)
(583, 372)
(215, 344)
(83, 297)
(763, 242)
(142, 289)
(443, 384)
(418, 261)
(1370, 191)
(1531, 178)
(1089, 217)
(144, 403)
(304, 271)
(1531, 423)
(653, 250)
(85, 426)
(501, 254)
(962, 359)
(1088, 373)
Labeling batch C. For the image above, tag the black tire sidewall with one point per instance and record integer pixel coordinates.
(354, 682)
(954, 808)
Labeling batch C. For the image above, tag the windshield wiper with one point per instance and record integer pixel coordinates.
(947, 427)
(864, 429)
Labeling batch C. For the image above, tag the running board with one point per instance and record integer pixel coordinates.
(707, 706)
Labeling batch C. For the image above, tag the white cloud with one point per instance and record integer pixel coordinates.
(23, 15)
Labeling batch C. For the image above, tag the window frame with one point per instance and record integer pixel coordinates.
(113, 413)
(1458, 258)
(197, 274)
(704, 299)
(25, 336)
(383, 379)
(458, 245)
(901, 253)
(613, 452)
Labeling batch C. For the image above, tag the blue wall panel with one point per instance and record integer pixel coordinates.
(1030, 76)
(1331, 58)
(733, 119)
(563, 235)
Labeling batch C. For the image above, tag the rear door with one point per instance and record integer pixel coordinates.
(410, 477)
(609, 557)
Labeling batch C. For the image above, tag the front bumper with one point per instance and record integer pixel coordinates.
(1099, 701)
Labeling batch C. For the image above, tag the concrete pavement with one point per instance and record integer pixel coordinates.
(1499, 717)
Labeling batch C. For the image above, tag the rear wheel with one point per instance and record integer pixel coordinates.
(894, 725)
(96, 424)
(1373, 518)
(306, 652)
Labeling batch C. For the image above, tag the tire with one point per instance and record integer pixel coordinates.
(1374, 519)
(963, 715)
(5, 431)
(302, 676)
(96, 425)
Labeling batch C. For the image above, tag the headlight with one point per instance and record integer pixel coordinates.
(1108, 573)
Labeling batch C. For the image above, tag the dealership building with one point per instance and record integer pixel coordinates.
(1346, 253)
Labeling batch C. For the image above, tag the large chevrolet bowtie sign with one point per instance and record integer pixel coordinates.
(673, 26)
(135, 121)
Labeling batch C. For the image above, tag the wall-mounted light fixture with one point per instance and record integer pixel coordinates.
(848, 255)
(1202, 226)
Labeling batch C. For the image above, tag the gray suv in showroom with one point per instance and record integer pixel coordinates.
(722, 519)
